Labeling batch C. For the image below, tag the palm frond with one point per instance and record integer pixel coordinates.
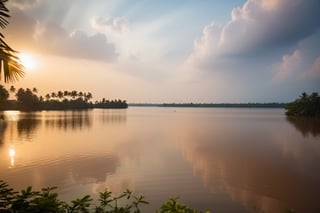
(4, 14)
(11, 67)
(10, 63)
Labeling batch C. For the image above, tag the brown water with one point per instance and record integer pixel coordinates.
(222, 160)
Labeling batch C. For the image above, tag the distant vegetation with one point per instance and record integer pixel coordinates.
(110, 104)
(28, 100)
(306, 106)
(222, 105)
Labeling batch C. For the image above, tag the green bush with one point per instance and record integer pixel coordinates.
(46, 200)
(306, 105)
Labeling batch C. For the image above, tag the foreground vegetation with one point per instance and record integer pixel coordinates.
(10, 65)
(305, 106)
(46, 200)
(28, 100)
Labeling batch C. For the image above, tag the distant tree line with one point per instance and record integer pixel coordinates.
(104, 103)
(306, 105)
(222, 105)
(28, 100)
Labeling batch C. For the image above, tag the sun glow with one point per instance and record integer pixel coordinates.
(27, 61)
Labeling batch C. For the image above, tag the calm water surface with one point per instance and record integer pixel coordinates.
(222, 160)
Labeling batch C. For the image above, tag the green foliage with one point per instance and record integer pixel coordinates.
(46, 200)
(172, 206)
(29, 201)
(306, 105)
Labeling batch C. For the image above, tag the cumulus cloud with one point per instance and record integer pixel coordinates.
(78, 44)
(52, 38)
(289, 64)
(314, 70)
(110, 24)
(301, 64)
(257, 27)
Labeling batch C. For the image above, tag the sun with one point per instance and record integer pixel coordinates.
(27, 61)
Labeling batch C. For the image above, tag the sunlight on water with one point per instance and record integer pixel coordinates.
(12, 115)
(12, 154)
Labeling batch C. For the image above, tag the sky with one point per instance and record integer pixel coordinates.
(152, 51)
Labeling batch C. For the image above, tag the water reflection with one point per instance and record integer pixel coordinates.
(113, 116)
(12, 154)
(27, 125)
(307, 126)
(78, 170)
(222, 160)
(249, 162)
(69, 120)
(3, 127)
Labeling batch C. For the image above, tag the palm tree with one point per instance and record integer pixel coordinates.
(48, 97)
(60, 94)
(53, 95)
(88, 96)
(10, 65)
(74, 94)
(12, 89)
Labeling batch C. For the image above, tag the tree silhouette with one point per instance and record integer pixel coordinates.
(27, 100)
(10, 65)
(47, 96)
(306, 105)
(12, 89)
(3, 94)
(74, 94)
(60, 94)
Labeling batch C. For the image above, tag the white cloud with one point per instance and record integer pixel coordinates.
(302, 64)
(110, 24)
(259, 26)
(288, 66)
(52, 38)
(314, 70)
(25, 4)
(77, 44)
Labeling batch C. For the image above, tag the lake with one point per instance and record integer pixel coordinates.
(218, 159)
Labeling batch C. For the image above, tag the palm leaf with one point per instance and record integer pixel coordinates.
(4, 14)
(10, 64)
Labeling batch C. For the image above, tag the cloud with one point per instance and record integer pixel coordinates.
(110, 24)
(25, 4)
(77, 44)
(314, 70)
(302, 64)
(52, 38)
(287, 67)
(258, 27)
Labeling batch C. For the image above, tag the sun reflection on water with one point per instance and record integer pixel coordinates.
(12, 115)
(12, 154)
